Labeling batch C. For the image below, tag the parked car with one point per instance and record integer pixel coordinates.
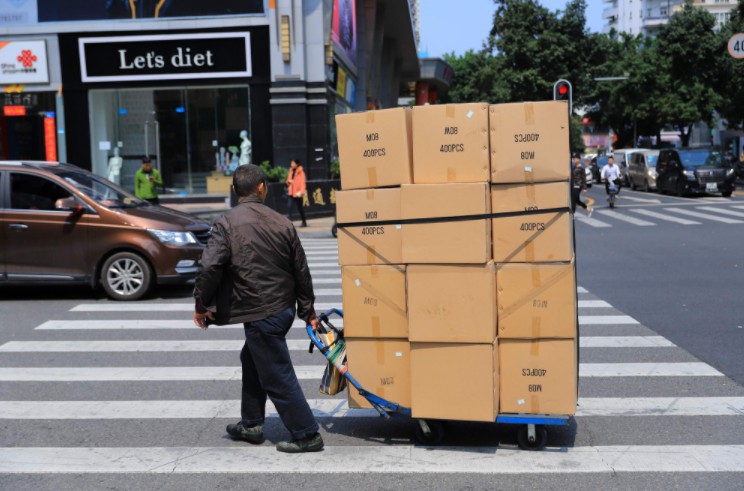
(596, 166)
(699, 170)
(642, 169)
(61, 224)
(621, 160)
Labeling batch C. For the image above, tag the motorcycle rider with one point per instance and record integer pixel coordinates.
(611, 173)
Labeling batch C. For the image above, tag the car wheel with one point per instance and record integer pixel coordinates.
(632, 185)
(646, 187)
(126, 276)
(680, 189)
(726, 194)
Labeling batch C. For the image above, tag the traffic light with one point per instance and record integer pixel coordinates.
(562, 91)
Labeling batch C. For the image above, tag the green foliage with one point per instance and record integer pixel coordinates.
(335, 170)
(682, 76)
(273, 173)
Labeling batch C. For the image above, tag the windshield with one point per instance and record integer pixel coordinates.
(651, 160)
(695, 159)
(102, 191)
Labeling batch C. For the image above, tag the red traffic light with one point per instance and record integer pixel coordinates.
(563, 89)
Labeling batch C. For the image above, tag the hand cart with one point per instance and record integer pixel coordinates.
(532, 436)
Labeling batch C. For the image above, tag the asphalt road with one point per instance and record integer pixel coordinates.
(96, 394)
(684, 281)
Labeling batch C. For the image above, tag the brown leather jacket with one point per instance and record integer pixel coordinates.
(254, 266)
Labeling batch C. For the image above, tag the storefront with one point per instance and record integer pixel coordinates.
(30, 80)
(195, 102)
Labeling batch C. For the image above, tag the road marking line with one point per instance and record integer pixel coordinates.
(624, 342)
(148, 346)
(327, 291)
(144, 324)
(738, 207)
(702, 215)
(581, 289)
(377, 459)
(625, 218)
(592, 222)
(586, 304)
(724, 211)
(661, 216)
(627, 197)
(327, 281)
(339, 408)
(585, 320)
(305, 372)
(690, 369)
(164, 307)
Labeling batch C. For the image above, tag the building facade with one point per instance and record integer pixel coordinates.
(645, 16)
(199, 87)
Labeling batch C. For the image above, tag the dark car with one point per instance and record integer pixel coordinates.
(60, 224)
(596, 166)
(694, 170)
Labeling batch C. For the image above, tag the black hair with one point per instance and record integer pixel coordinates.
(247, 178)
(146, 160)
(297, 161)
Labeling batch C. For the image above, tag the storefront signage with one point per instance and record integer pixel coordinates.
(23, 62)
(14, 110)
(165, 57)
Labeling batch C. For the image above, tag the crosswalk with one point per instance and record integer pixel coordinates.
(651, 216)
(143, 364)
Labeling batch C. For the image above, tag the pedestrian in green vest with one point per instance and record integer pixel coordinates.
(146, 182)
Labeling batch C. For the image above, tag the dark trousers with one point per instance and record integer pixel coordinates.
(296, 203)
(576, 199)
(153, 201)
(268, 370)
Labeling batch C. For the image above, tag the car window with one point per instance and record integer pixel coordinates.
(100, 190)
(32, 192)
(698, 158)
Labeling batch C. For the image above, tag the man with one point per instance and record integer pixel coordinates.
(253, 271)
(578, 185)
(146, 182)
(611, 173)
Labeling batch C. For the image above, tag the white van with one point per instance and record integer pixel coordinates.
(621, 159)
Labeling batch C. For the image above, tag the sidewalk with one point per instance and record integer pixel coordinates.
(317, 228)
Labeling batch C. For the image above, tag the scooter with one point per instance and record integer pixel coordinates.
(613, 188)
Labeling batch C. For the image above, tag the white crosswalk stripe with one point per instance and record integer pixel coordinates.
(625, 218)
(378, 459)
(662, 216)
(339, 408)
(706, 216)
(724, 211)
(592, 222)
(309, 372)
(236, 345)
(637, 361)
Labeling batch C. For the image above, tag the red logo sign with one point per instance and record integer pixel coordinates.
(27, 58)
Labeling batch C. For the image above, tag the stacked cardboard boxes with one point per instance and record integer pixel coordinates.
(455, 300)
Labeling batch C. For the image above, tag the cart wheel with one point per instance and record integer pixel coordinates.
(429, 432)
(538, 441)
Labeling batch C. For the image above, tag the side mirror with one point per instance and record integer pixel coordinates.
(68, 204)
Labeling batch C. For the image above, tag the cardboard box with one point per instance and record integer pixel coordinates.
(451, 144)
(369, 244)
(536, 300)
(374, 301)
(452, 304)
(455, 381)
(538, 376)
(532, 238)
(448, 242)
(374, 148)
(383, 367)
(529, 142)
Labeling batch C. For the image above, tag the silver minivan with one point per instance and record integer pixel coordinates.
(642, 169)
(622, 161)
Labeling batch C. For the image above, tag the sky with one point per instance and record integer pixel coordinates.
(448, 26)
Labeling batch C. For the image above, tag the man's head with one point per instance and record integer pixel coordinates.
(249, 180)
(610, 160)
(146, 164)
(576, 159)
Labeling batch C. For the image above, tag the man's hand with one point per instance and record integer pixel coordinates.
(315, 323)
(201, 319)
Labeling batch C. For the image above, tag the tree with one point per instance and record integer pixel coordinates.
(476, 78)
(732, 71)
(689, 53)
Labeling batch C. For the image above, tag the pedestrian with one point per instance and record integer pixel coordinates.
(611, 174)
(253, 271)
(578, 185)
(146, 182)
(296, 189)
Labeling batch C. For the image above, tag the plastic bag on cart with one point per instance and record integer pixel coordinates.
(333, 380)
